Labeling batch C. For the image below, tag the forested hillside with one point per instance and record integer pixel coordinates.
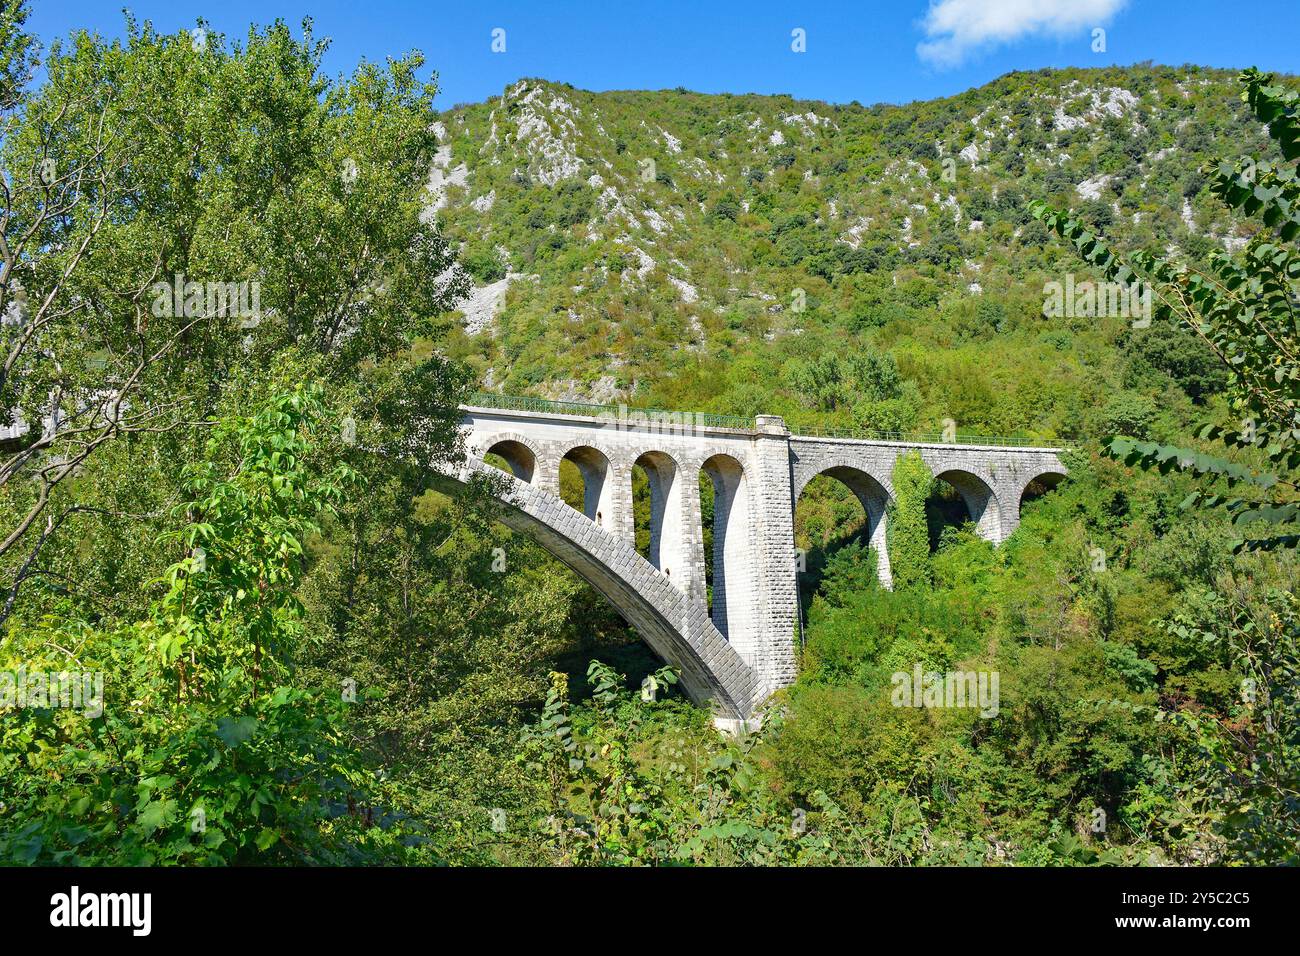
(313, 655)
(906, 228)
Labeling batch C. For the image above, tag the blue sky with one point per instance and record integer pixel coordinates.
(893, 51)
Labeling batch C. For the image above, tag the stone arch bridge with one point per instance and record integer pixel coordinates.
(743, 649)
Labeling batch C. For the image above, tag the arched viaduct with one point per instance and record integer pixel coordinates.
(744, 648)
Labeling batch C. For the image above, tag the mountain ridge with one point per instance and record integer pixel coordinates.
(623, 244)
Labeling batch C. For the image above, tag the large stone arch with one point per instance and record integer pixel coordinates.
(676, 628)
(873, 493)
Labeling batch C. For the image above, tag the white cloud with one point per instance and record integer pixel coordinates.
(955, 28)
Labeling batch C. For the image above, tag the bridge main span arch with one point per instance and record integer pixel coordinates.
(677, 631)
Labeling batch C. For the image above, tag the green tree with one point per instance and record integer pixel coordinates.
(908, 534)
(1242, 309)
(17, 54)
(1243, 312)
(831, 382)
(153, 178)
(200, 749)
(1247, 780)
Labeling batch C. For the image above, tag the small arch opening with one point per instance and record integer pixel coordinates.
(585, 482)
(1039, 486)
(959, 498)
(513, 457)
(571, 484)
(657, 510)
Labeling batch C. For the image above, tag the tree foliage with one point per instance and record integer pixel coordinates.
(202, 750)
(179, 207)
(313, 653)
(907, 531)
(1243, 311)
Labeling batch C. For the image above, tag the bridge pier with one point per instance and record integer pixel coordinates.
(1007, 490)
(778, 584)
(623, 524)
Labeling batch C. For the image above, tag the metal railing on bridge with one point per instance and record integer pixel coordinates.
(528, 403)
(925, 438)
